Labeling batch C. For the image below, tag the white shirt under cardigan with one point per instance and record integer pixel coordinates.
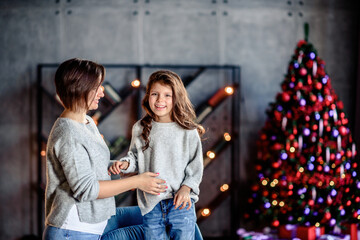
(76, 159)
(175, 153)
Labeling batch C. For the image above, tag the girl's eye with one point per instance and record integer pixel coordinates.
(153, 94)
(168, 96)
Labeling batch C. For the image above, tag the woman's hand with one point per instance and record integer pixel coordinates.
(117, 167)
(150, 184)
(182, 197)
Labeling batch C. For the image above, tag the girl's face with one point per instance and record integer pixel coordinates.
(94, 97)
(161, 102)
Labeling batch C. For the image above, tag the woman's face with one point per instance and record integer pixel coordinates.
(94, 97)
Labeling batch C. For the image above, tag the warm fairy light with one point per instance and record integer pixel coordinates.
(205, 212)
(292, 149)
(343, 175)
(264, 182)
(43, 153)
(358, 217)
(224, 187)
(317, 224)
(299, 219)
(331, 183)
(281, 204)
(276, 181)
(227, 137)
(272, 184)
(274, 202)
(229, 90)
(333, 165)
(135, 83)
(301, 169)
(320, 184)
(210, 154)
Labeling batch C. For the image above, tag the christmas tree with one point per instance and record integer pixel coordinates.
(307, 173)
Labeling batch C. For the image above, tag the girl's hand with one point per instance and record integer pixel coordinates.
(182, 197)
(117, 167)
(150, 184)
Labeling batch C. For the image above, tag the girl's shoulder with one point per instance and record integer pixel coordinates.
(137, 127)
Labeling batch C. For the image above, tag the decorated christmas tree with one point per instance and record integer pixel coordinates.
(307, 171)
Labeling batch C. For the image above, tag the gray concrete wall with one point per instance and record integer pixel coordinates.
(258, 35)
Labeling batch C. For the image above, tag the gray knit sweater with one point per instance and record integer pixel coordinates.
(175, 153)
(76, 159)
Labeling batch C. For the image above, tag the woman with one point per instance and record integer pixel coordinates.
(79, 192)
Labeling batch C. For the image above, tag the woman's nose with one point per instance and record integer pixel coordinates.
(101, 92)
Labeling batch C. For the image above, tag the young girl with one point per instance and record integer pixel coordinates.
(79, 192)
(167, 141)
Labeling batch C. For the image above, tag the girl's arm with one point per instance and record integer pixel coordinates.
(195, 167)
(146, 182)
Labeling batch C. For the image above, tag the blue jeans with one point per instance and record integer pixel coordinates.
(54, 233)
(127, 224)
(165, 222)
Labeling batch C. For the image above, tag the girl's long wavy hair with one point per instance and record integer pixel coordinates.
(182, 111)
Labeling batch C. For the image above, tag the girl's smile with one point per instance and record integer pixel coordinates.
(160, 101)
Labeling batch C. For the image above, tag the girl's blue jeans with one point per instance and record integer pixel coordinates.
(165, 222)
(128, 224)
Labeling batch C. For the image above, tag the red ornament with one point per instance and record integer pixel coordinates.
(302, 71)
(340, 105)
(318, 85)
(309, 64)
(276, 223)
(301, 42)
(327, 215)
(313, 98)
(285, 97)
(300, 84)
(309, 80)
(342, 131)
(348, 154)
(326, 116)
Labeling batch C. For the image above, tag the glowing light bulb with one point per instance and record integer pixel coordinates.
(224, 187)
(264, 182)
(210, 154)
(227, 137)
(229, 90)
(43, 153)
(205, 212)
(135, 83)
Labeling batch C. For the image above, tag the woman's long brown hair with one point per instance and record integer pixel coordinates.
(182, 112)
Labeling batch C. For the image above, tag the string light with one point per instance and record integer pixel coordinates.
(210, 154)
(135, 83)
(205, 212)
(229, 90)
(227, 137)
(224, 187)
(43, 153)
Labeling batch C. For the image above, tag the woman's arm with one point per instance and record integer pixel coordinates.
(146, 182)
